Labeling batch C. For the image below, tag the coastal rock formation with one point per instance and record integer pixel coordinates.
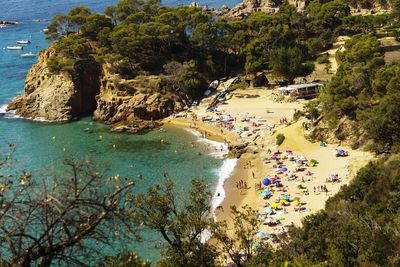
(129, 105)
(58, 97)
(136, 104)
(248, 7)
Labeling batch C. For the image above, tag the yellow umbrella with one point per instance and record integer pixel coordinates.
(275, 205)
(283, 201)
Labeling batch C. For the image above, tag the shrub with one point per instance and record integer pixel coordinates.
(313, 162)
(323, 59)
(279, 139)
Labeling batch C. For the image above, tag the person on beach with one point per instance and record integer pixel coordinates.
(254, 176)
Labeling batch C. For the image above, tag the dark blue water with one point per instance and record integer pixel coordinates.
(41, 145)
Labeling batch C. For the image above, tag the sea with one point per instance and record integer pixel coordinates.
(42, 146)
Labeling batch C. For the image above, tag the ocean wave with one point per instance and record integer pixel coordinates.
(217, 149)
(223, 174)
(7, 114)
(12, 115)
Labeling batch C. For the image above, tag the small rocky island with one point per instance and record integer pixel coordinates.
(128, 104)
(4, 23)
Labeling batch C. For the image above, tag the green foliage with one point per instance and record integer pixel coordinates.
(94, 24)
(180, 224)
(351, 89)
(239, 243)
(124, 260)
(323, 59)
(280, 138)
(241, 85)
(359, 226)
(290, 63)
(383, 123)
(56, 65)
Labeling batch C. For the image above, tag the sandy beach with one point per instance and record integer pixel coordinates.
(254, 117)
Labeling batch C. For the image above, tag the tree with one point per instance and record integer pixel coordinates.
(124, 260)
(238, 242)
(289, 63)
(58, 27)
(94, 24)
(383, 125)
(52, 219)
(181, 224)
(77, 17)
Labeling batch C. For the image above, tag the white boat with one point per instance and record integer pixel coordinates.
(30, 54)
(23, 42)
(15, 47)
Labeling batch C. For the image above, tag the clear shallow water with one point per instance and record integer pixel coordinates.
(42, 145)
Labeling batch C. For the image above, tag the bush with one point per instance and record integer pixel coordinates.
(323, 59)
(279, 139)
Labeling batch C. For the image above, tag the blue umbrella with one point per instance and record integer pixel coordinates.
(340, 151)
(260, 234)
(284, 169)
(276, 182)
(268, 210)
(287, 197)
(265, 192)
(266, 181)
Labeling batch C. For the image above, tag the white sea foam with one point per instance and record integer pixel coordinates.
(219, 150)
(7, 114)
(223, 174)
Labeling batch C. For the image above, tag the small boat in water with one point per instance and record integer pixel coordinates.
(15, 47)
(30, 54)
(23, 42)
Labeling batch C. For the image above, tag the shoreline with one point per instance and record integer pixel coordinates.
(229, 165)
(226, 184)
(242, 186)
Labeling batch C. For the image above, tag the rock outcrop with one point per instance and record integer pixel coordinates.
(128, 105)
(135, 105)
(248, 7)
(58, 97)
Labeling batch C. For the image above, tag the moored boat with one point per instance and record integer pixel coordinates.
(29, 54)
(23, 42)
(15, 47)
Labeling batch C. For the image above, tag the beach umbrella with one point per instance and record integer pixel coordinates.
(266, 182)
(268, 220)
(284, 169)
(340, 151)
(268, 210)
(283, 201)
(277, 170)
(264, 193)
(275, 205)
(276, 182)
(280, 219)
(296, 198)
(287, 197)
(260, 234)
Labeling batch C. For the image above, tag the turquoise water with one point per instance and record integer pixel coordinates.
(42, 145)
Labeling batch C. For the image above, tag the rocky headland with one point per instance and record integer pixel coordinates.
(127, 104)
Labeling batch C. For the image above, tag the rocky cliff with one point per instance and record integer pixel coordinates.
(131, 105)
(58, 97)
(248, 7)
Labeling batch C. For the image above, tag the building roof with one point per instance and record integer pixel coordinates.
(299, 86)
